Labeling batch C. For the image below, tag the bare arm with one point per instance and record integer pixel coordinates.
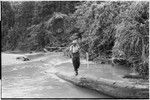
(70, 51)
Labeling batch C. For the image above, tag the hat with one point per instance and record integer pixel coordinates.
(76, 34)
(73, 37)
(74, 41)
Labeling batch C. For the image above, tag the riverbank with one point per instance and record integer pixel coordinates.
(105, 79)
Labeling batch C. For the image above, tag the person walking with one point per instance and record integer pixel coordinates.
(74, 49)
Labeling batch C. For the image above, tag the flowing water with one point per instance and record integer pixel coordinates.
(37, 80)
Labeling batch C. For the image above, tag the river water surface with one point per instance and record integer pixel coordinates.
(36, 79)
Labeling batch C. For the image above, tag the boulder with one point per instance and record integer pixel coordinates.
(23, 58)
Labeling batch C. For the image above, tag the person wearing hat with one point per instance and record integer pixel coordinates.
(74, 49)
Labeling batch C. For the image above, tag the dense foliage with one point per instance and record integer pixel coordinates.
(132, 36)
(33, 25)
(108, 29)
(116, 29)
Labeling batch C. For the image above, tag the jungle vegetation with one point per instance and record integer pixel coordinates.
(108, 28)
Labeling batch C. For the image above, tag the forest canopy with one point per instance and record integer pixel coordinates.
(108, 28)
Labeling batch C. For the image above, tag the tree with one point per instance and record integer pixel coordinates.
(133, 35)
(97, 20)
(6, 23)
(24, 13)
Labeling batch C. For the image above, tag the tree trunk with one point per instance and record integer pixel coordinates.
(143, 57)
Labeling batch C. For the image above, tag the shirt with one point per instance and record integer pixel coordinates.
(74, 48)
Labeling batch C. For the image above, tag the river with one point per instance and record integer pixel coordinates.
(36, 79)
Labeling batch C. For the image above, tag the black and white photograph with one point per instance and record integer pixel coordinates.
(74, 50)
